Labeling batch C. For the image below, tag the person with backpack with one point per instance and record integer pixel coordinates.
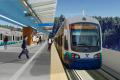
(24, 48)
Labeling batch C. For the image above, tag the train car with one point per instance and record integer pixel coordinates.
(13, 36)
(79, 43)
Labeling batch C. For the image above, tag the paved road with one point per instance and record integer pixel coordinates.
(38, 69)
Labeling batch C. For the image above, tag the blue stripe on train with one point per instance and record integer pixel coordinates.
(85, 64)
(2, 43)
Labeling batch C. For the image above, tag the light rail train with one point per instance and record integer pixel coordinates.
(79, 43)
(13, 36)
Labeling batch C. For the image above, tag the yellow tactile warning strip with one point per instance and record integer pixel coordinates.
(57, 70)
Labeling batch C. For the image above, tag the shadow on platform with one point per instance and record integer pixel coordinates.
(41, 65)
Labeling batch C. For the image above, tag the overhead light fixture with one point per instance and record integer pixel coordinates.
(31, 12)
(25, 12)
(28, 14)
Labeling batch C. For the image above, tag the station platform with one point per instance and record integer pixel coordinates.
(41, 65)
(10, 64)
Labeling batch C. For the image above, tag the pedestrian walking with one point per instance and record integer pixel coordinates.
(5, 42)
(24, 48)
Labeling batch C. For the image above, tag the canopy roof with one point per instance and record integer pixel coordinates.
(14, 11)
(44, 9)
(40, 11)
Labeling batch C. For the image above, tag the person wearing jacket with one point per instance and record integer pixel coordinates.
(24, 48)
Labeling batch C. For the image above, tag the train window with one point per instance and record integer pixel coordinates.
(65, 43)
(59, 41)
(21, 37)
(85, 37)
(13, 38)
(9, 38)
(1, 36)
(17, 38)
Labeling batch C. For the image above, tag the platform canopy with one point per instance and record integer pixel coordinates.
(44, 9)
(14, 11)
(28, 12)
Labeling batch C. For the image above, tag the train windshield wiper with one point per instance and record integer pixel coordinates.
(82, 44)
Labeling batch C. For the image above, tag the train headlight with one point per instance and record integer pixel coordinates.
(66, 55)
(75, 56)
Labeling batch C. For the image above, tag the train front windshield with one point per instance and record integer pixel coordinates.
(85, 37)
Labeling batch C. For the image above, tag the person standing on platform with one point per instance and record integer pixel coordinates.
(5, 42)
(39, 41)
(24, 48)
(49, 43)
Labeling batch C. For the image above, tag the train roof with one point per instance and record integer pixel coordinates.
(77, 19)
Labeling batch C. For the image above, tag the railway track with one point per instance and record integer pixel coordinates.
(101, 74)
(72, 75)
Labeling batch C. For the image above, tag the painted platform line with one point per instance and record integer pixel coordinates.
(21, 70)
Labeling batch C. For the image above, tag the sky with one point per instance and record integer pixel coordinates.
(103, 8)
